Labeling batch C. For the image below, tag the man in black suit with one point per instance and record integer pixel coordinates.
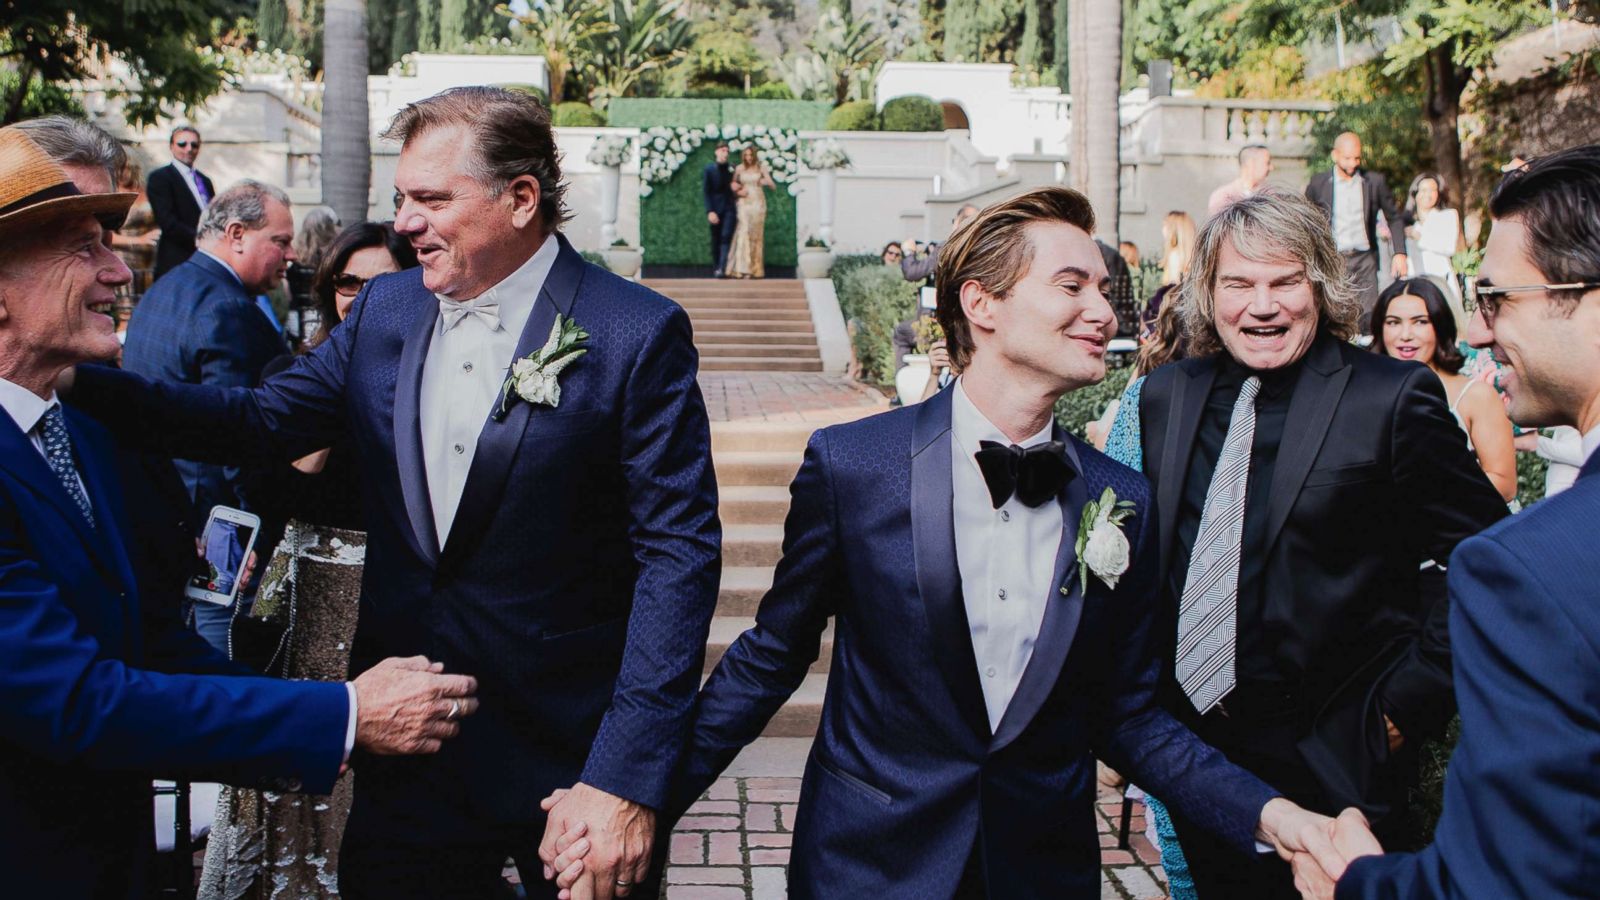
(1350, 197)
(716, 184)
(178, 193)
(1301, 483)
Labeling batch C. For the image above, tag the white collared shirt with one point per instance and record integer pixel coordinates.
(188, 180)
(221, 262)
(1349, 210)
(1006, 557)
(26, 409)
(461, 380)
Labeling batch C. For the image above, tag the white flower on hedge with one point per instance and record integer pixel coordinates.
(646, 190)
(794, 189)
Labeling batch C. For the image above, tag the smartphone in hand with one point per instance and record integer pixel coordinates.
(226, 542)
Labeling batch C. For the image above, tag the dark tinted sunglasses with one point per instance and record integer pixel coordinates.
(347, 284)
(187, 144)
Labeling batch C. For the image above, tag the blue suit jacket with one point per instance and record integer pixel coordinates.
(198, 325)
(581, 570)
(905, 778)
(1522, 798)
(87, 716)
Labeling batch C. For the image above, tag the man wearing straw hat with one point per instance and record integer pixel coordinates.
(87, 715)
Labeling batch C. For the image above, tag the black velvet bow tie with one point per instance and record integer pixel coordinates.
(1034, 475)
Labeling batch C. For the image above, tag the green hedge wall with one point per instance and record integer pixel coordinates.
(644, 112)
(1086, 404)
(873, 298)
(672, 219)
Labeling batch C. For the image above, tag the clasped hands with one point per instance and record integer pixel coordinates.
(596, 845)
(1316, 847)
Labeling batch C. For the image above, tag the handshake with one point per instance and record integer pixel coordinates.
(1316, 847)
(407, 706)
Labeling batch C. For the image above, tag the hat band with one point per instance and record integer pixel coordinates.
(53, 192)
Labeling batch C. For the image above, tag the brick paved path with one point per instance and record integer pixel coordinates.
(784, 397)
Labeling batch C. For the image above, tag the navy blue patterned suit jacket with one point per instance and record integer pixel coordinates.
(906, 780)
(581, 570)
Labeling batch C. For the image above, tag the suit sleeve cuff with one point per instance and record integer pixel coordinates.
(350, 725)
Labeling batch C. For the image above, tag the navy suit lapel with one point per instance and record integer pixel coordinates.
(499, 439)
(408, 456)
(1061, 612)
(105, 496)
(18, 455)
(1311, 407)
(1190, 388)
(933, 541)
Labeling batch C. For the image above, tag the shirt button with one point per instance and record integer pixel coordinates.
(466, 367)
(1005, 515)
(460, 449)
(989, 671)
(1002, 593)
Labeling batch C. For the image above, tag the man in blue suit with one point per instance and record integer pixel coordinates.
(564, 549)
(991, 632)
(1522, 798)
(722, 209)
(96, 697)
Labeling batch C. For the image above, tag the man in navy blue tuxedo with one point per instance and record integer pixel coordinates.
(1522, 801)
(722, 210)
(565, 551)
(99, 695)
(978, 669)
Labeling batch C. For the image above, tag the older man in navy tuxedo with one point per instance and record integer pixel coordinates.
(992, 629)
(548, 527)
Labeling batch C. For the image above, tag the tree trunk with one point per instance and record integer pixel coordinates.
(1445, 83)
(1095, 49)
(346, 134)
(1077, 69)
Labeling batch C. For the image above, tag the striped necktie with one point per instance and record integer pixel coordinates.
(1208, 611)
(58, 453)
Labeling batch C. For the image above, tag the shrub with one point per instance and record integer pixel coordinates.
(874, 298)
(772, 90)
(912, 113)
(576, 115)
(593, 257)
(532, 90)
(857, 115)
(1086, 404)
(1531, 468)
(715, 92)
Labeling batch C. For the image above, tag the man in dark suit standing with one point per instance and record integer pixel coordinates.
(1351, 198)
(178, 194)
(97, 697)
(1302, 483)
(555, 534)
(200, 325)
(985, 650)
(1521, 794)
(722, 209)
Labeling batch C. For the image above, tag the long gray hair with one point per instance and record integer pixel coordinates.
(1269, 225)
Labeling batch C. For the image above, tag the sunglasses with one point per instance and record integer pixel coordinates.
(347, 284)
(187, 144)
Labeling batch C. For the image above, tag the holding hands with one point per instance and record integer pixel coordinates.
(409, 705)
(595, 844)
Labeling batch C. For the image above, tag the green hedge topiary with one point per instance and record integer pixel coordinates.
(912, 113)
(873, 298)
(772, 90)
(576, 115)
(857, 115)
(532, 90)
(1086, 404)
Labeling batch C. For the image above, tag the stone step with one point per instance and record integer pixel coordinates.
(756, 467)
(742, 589)
(752, 545)
(705, 338)
(760, 351)
(786, 327)
(800, 716)
(731, 437)
(751, 504)
(673, 287)
(759, 364)
(737, 301)
(750, 314)
(726, 629)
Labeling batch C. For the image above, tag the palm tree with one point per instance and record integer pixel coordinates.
(562, 30)
(346, 136)
(646, 35)
(1095, 72)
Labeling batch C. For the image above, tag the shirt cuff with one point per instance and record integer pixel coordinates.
(350, 726)
(1265, 848)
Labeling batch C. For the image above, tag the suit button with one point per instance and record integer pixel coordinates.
(466, 367)
(989, 671)
(459, 448)
(292, 785)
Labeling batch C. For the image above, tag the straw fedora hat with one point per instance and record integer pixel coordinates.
(34, 188)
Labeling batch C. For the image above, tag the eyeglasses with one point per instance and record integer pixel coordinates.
(1487, 298)
(348, 285)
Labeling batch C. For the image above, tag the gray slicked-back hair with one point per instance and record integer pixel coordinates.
(244, 202)
(72, 141)
(1269, 225)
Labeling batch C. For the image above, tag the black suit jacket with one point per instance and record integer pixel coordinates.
(716, 186)
(1372, 480)
(176, 212)
(1375, 196)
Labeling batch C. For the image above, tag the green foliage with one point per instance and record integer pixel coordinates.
(532, 90)
(840, 61)
(984, 30)
(561, 30)
(858, 115)
(795, 115)
(873, 298)
(715, 92)
(772, 90)
(576, 115)
(1386, 113)
(1086, 404)
(464, 21)
(720, 57)
(672, 218)
(1531, 469)
(648, 112)
(591, 256)
(1427, 798)
(1201, 37)
(961, 31)
(42, 99)
(913, 112)
(1262, 73)
(1035, 52)
(646, 36)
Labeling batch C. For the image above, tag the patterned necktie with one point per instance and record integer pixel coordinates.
(200, 187)
(1208, 610)
(453, 312)
(58, 453)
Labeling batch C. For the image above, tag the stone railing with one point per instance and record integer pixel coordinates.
(1220, 127)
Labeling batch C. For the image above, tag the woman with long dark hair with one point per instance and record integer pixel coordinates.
(1434, 236)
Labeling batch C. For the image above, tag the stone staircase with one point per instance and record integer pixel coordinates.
(747, 326)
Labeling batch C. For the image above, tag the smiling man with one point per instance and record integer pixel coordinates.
(1302, 483)
(977, 671)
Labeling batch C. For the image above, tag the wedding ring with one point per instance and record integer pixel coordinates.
(623, 883)
(455, 710)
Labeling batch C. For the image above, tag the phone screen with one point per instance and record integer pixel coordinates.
(223, 546)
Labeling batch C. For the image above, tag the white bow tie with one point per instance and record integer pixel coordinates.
(453, 312)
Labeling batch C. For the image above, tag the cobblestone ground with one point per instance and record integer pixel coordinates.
(784, 397)
(734, 845)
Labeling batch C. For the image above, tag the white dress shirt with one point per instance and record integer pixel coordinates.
(188, 180)
(1349, 211)
(1006, 557)
(461, 380)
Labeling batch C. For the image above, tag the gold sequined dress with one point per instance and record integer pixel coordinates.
(747, 256)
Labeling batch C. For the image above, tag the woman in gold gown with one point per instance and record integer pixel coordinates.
(747, 256)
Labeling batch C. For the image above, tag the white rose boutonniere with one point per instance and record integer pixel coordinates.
(533, 378)
(1102, 547)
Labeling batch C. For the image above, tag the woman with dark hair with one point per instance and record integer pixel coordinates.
(1412, 321)
(892, 254)
(267, 844)
(1434, 235)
